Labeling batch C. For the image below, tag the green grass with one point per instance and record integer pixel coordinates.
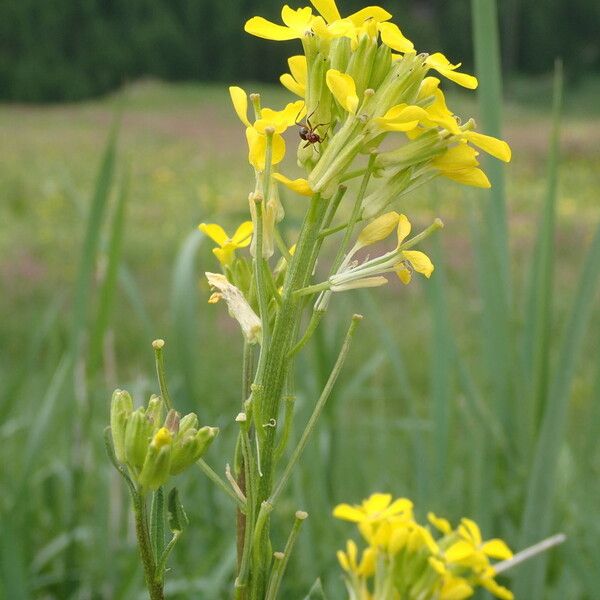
(410, 413)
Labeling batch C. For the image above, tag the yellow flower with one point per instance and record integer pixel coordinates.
(460, 164)
(443, 66)
(374, 509)
(297, 25)
(402, 117)
(278, 121)
(348, 560)
(491, 585)
(227, 245)
(413, 260)
(455, 588)
(300, 186)
(343, 88)
(495, 548)
(377, 230)
(295, 80)
(162, 438)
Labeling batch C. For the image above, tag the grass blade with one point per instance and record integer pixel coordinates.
(537, 518)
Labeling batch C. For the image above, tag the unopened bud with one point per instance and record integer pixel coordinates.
(172, 422)
(121, 407)
(155, 471)
(190, 421)
(154, 412)
(137, 436)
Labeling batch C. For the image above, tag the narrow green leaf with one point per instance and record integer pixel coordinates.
(537, 518)
(537, 345)
(107, 291)
(184, 312)
(176, 516)
(316, 592)
(157, 522)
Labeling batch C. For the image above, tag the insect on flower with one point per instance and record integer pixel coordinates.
(309, 133)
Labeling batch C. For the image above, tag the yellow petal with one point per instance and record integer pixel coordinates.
(379, 229)
(257, 146)
(367, 563)
(401, 505)
(297, 20)
(298, 68)
(240, 103)
(343, 88)
(440, 114)
(471, 176)
(280, 120)
(374, 13)
(375, 503)
(404, 228)
(420, 262)
(348, 513)
(455, 588)
(470, 531)
(300, 186)
(343, 560)
(215, 232)
(440, 524)
(243, 234)
(224, 255)
(401, 117)
(497, 148)
(498, 590)
(267, 30)
(457, 157)
(328, 9)
(498, 549)
(287, 81)
(392, 36)
(459, 551)
(443, 66)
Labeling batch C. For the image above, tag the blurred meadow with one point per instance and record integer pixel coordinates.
(476, 393)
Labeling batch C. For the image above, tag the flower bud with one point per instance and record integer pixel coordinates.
(188, 422)
(172, 422)
(189, 448)
(121, 406)
(361, 63)
(381, 66)
(155, 471)
(154, 412)
(137, 435)
(339, 54)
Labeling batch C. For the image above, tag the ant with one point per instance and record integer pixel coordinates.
(309, 133)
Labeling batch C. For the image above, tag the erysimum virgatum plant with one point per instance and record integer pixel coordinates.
(359, 81)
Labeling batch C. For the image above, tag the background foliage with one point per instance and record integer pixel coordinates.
(68, 50)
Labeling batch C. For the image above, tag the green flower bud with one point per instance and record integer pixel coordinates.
(172, 422)
(361, 64)
(137, 435)
(121, 406)
(155, 471)
(155, 410)
(381, 66)
(189, 448)
(188, 422)
(339, 54)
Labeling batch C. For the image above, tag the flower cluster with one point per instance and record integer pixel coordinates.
(409, 561)
(153, 446)
(361, 83)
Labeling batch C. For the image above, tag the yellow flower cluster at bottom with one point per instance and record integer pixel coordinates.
(405, 560)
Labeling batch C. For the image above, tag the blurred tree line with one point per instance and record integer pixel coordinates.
(52, 50)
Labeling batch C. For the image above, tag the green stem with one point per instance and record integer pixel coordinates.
(158, 346)
(261, 289)
(279, 569)
(154, 585)
(317, 410)
(220, 483)
(269, 382)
